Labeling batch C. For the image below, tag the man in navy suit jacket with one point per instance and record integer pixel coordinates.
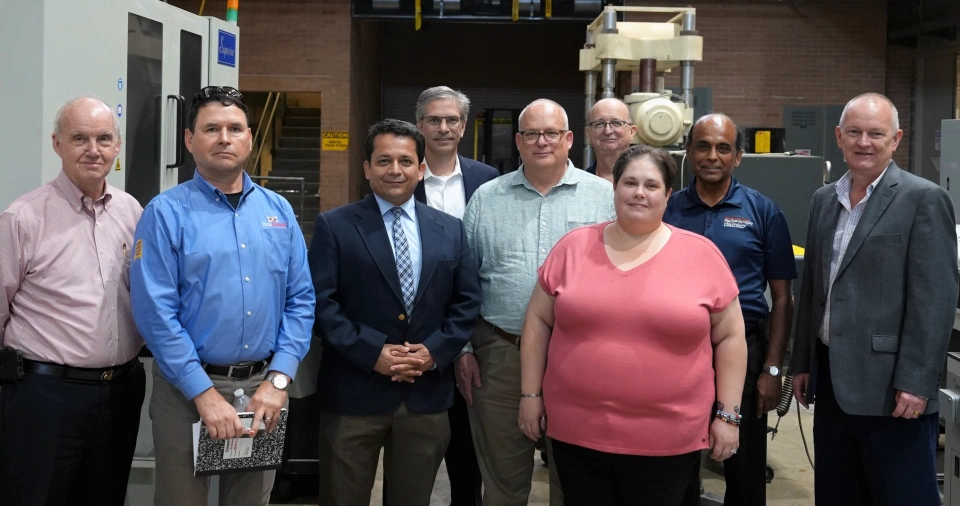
(398, 299)
(448, 183)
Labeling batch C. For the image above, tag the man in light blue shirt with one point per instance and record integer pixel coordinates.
(397, 298)
(221, 293)
(512, 224)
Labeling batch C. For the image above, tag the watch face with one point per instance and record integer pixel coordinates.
(774, 370)
(280, 381)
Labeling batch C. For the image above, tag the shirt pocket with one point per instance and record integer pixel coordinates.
(572, 225)
(276, 248)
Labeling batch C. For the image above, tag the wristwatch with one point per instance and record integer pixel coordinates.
(772, 370)
(279, 381)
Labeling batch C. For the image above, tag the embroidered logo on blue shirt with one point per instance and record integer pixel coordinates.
(735, 222)
(273, 221)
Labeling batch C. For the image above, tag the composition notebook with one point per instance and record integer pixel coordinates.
(265, 451)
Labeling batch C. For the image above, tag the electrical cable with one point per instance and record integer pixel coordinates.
(804, 438)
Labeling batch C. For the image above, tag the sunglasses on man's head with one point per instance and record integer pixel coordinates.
(217, 92)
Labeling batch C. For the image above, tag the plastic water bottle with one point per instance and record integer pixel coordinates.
(240, 400)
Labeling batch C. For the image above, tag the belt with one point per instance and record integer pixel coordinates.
(513, 339)
(243, 370)
(78, 373)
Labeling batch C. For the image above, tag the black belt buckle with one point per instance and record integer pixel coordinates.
(234, 371)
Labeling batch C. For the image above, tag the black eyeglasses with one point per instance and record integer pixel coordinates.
(216, 92)
(532, 136)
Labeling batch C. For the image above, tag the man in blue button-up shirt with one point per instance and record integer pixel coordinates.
(751, 232)
(221, 293)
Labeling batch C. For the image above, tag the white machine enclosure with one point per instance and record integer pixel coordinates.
(133, 54)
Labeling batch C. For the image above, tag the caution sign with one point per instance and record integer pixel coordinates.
(335, 141)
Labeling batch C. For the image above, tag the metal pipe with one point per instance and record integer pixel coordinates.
(689, 27)
(648, 75)
(589, 91)
(590, 96)
(441, 8)
(609, 65)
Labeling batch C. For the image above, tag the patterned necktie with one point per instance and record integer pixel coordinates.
(404, 265)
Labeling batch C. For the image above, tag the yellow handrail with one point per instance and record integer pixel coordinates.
(266, 130)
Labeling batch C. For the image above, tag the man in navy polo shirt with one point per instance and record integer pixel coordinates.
(752, 234)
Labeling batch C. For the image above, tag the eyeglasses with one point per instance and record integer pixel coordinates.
(532, 136)
(435, 121)
(599, 126)
(217, 91)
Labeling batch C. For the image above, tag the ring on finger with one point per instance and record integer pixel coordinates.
(733, 451)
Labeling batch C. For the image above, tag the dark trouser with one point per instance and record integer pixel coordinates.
(595, 478)
(878, 460)
(745, 472)
(68, 441)
(413, 445)
(461, 458)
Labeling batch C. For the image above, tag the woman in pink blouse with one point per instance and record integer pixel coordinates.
(634, 337)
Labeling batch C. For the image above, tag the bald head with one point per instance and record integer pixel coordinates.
(721, 122)
(544, 106)
(608, 107)
(86, 106)
(879, 103)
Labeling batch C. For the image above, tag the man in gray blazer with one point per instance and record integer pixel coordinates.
(874, 316)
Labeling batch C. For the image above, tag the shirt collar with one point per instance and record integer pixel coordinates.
(75, 197)
(409, 207)
(571, 176)
(846, 181)
(214, 192)
(456, 170)
(734, 196)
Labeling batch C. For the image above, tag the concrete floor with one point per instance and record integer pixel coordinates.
(792, 484)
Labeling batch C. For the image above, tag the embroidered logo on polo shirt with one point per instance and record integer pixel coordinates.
(273, 221)
(735, 222)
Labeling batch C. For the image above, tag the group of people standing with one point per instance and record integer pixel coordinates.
(466, 315)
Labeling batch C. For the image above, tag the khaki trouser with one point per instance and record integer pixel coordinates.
(504, 453)
(173, 417)
(413, 447)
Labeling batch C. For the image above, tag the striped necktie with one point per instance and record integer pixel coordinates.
(404, 265)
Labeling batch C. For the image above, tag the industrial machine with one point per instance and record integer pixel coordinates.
(950, 418)
(143, 57)
(653, 49)
(146, 59)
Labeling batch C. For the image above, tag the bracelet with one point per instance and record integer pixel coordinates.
(529, 395)
(732, 419)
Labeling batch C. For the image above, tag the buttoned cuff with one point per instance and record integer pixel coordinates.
(285, 363)
(194, 383)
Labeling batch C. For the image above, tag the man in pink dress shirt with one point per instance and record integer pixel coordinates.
(68, 426)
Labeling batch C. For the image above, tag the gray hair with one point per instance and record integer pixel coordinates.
(58, 120)
(873, 97)
(441, 93)
(566, 120)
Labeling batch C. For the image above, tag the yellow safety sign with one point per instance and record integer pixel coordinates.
(335, 141)
(548, 8)
(117, 167)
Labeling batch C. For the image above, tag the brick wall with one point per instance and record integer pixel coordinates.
(761, 56)
(301, 45)
(758, 57)
(899, 89)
